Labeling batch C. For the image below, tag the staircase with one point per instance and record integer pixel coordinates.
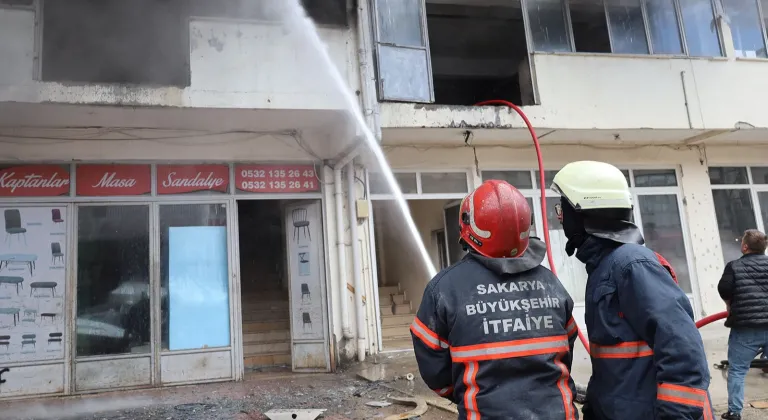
(266, 329)
(396, 317)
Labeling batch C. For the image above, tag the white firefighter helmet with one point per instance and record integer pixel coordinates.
(590, 185)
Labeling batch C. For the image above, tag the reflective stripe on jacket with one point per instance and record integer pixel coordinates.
(496, 336)
(648, 359)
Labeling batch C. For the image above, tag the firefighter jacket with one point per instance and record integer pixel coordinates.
(648, 359)
(496, 336)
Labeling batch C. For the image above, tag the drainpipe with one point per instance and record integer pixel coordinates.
(341, 249)
(356, 263)
(367, 76)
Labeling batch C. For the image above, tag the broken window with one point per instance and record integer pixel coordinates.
(115, 41)
(142, 41)
(746, 27)
(477, 51)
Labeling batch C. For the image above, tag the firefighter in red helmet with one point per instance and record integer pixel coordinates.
(494, 331)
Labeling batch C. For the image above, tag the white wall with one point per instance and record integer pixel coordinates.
(706, 253)
(233, 64)
(610, 91)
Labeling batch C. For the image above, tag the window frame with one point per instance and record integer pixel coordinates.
(676, 190)
(420, 195)
(754, 190)
(763, 29)
(680, 23)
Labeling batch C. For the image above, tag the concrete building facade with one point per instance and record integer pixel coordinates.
(216, 134)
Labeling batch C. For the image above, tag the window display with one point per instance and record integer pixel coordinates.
(33, 260)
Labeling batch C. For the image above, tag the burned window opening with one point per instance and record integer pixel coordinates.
(142, 42)
(478, 53)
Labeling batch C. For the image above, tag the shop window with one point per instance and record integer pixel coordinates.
(655, 178)
(194, 276)
(760, 175)
(734, 205)
(113, 293)
(33, 266)
(728, 176)
(406, 181)
(663, 232)
(746, 27)
(518, 179)
(444, 182)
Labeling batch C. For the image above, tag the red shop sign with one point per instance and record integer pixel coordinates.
(276, 178)
(106, 180)
(180, 179)
(34, 181)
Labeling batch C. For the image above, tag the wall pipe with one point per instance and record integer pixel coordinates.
(357, 274)
(342, 251)
(367, 75)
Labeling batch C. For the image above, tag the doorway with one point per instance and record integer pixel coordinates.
(282, 286)
(263, 285)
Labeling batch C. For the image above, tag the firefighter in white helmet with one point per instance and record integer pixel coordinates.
(648, 359)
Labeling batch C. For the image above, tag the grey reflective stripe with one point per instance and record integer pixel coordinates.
(472, 390)
(572, 328)
(427, 336)
(560, 344)
(693, 397)
(622, 351)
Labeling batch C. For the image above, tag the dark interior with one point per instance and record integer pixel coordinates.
(141, 41)
(476, 52)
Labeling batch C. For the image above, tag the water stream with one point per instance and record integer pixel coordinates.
(297, 21)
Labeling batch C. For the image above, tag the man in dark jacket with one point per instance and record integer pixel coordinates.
(744, 288)
(648, 359)
(494, 332)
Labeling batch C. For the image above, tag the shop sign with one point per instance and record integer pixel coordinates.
(180, 179)
(276, 178)
(113, 180)
(34, 181)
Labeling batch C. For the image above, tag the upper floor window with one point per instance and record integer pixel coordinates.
(747, 28)
(625, 26)
(143, 41)
(471, 52)
(740, 195)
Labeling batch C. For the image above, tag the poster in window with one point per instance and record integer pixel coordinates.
(33, 260)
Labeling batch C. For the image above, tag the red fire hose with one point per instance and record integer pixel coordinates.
(705, 321)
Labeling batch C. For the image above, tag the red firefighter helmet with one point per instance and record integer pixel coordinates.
(495, 220)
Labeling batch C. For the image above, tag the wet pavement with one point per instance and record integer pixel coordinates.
(344, 395)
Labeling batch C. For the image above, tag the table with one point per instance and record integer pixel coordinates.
(12, 280)
(27, 259)
(48, 315)
(43, 285)
(10, 311)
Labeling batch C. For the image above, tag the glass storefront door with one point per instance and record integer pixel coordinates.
(153, 294)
